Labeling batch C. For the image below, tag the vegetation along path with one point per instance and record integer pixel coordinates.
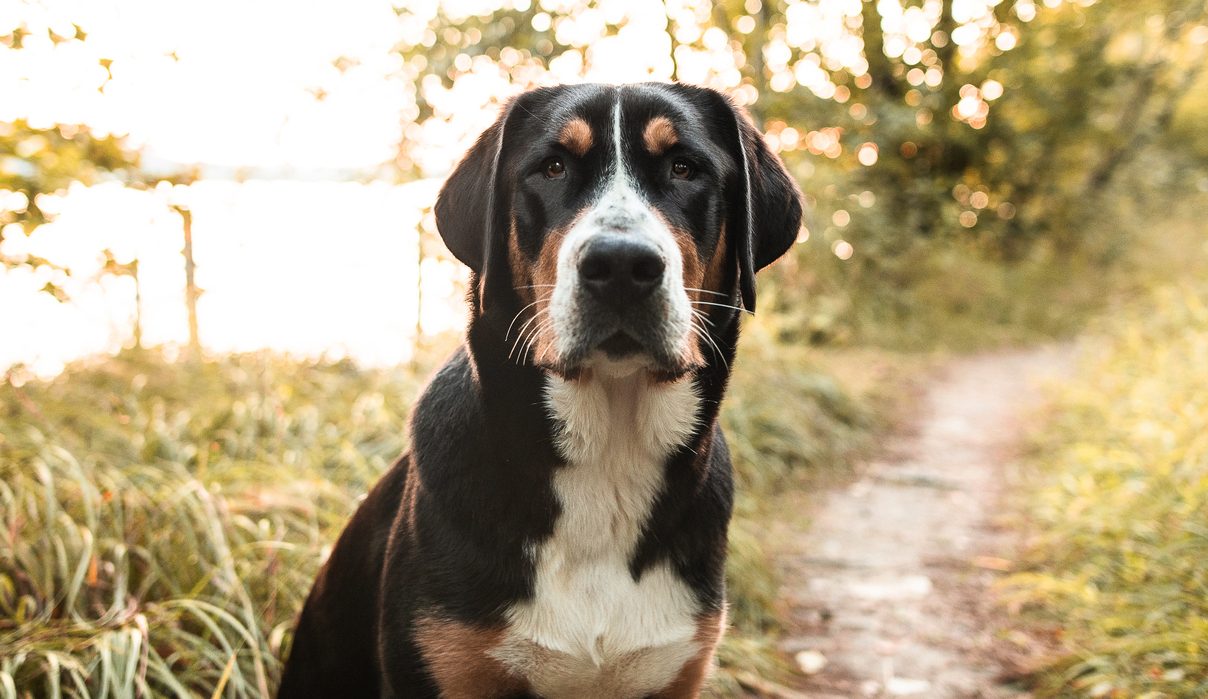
(887, 586)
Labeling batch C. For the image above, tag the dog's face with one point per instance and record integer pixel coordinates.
(612, 228)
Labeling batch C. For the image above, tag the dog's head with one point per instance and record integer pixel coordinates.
(614, 228)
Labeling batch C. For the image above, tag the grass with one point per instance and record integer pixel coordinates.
(1118, 501)
(162, 522)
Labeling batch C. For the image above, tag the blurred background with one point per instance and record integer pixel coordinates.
(222, 285)
(300, 147)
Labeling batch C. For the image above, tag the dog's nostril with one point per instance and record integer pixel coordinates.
(595, 268)
(648, 269)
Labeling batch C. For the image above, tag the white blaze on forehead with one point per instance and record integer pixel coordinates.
(621, 209)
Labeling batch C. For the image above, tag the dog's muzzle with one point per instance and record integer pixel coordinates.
(620, 277)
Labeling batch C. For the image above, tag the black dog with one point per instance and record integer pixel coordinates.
(559, 526)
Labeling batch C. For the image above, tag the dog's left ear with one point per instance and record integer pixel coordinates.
(771, 217)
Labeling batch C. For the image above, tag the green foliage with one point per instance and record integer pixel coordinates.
(936, 295)
(41, 160)
(162, 522)
(36, 162)
(996, 160)
(1120, 507)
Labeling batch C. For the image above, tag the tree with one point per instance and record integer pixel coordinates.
(986, 119)
(42, 161)
(39, 162)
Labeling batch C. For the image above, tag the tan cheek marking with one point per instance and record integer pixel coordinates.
(693, 270)
(659, 135)
(693, 275)
(522, 278)
(544, 277)
(458, 657)
(693, 675)
(577, 136)
(715, 275)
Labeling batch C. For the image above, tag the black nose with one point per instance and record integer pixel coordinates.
(619, 270)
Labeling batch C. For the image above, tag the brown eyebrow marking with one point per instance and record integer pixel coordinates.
(577, 136)
(659, 135)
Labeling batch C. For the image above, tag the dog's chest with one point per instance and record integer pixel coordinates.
(591, 629)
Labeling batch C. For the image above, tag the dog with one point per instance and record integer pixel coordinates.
(558, 527)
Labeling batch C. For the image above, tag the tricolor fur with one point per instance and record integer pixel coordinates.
(558, 528)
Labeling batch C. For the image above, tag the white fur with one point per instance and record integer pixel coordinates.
(621, 208)
(591, 630)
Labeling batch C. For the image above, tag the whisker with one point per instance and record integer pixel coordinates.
(520, 333)
(705, 335)
(530, 113)
(696, 331)
(532, 343)
(534, 286)
(521, 341)
(720, 305)
(712, 344)
(705, 291)
(702, 316)
(517, 316)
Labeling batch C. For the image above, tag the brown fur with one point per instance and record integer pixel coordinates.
(715, 275)
(534, 281)
(693, 276)
(659, 135)
(694, 673)
(458, 656)
(522, 277)
(577, 136)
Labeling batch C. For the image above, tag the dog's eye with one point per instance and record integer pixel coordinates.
(681, 170)
(554, 168)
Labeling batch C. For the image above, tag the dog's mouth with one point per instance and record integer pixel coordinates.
(622, 352)
(621, 345)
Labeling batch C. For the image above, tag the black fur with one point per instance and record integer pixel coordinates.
(443, 531)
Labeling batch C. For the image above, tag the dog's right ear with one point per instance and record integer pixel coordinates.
(465, 207)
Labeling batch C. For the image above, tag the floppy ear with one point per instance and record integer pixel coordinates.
(465, 207)
(772, 212)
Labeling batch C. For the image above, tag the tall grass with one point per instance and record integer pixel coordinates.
(160, 523)
(1120, 508)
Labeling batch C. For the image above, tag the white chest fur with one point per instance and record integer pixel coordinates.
(590, 629)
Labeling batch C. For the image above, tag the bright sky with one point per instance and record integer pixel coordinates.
(239, 93)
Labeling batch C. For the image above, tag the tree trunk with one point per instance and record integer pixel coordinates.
(192, 293)
(1136, 130)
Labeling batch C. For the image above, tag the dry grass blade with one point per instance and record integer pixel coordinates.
(224, 677)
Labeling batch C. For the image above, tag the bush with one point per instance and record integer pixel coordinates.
(1121, 507)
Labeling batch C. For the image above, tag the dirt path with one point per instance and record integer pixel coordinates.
(888, 584)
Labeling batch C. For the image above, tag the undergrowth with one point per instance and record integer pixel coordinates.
(162, 522)
(1119, 504)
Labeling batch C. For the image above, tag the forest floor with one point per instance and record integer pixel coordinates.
(886, 579)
